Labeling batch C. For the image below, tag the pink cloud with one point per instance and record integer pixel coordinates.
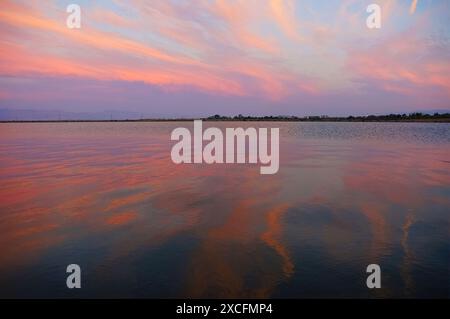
(242, 48)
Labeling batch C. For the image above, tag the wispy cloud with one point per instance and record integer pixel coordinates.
(282, 52)
(413, 7)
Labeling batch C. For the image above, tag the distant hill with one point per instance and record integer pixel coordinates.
(54, 115)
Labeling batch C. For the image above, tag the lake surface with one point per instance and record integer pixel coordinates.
(106, 196)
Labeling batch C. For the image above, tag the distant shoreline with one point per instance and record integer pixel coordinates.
(412, 117)
(231, 120)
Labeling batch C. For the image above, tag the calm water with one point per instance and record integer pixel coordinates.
(107, 196)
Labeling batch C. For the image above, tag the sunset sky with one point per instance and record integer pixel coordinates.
(169, 58)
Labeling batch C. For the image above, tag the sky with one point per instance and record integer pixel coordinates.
(180, 58)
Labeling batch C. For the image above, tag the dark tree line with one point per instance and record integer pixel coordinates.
(417, 116)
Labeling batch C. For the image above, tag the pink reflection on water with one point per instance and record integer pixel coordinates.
(56, 189)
